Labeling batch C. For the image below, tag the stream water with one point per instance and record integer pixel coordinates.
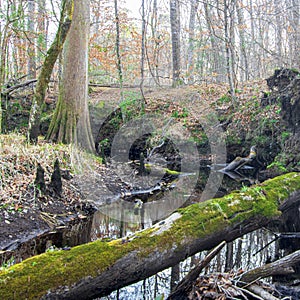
(125, 221)
(122, 215)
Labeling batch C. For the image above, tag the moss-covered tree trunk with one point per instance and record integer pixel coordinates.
(71, 122)
(98, 268)
(46, 71)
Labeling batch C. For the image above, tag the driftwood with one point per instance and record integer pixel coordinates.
(185, 285)
(98, 268)
(239, 162)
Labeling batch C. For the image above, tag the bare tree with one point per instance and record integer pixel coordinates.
(175, 32)
(143, 47)
(119, 61)
(31, 40)
(278, 32)
(294, 36)
(244, 73)
(154, 44)
(11, 14)
(216, 57)
(42, 30)
(191, 43)
(227, 9)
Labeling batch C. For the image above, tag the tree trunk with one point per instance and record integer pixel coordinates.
(31, 67)
(118, 52)
(216, 53)
(190, 59)
(296, 25)
(143, 55)
(71, 122)
(42, 30)
(278, 32)
(46, 71)
(228, 48)
(175, 32)
(244, 73)
(98, 268)
(155, 44)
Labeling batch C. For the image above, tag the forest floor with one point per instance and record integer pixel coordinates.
(26, 212)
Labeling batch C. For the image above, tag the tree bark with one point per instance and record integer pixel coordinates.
(175, 32)
(244, 73)
(190, 56)
(228, 48)
(278, 267)
(31, 51)
(71, 122)
(118, 51)
(42, 25)
(98, 268)
(46, 71)
(155, 41)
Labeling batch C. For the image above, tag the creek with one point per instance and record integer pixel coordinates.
(117, 216)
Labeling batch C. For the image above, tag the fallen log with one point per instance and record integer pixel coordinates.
(98, 268)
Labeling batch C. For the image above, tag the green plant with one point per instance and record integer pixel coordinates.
(7, 264)
(224, 99)
(244, 188)
(278, 165)
(180, 114)
(132, 105)
(285, 135)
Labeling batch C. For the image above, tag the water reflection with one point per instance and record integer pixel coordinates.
(125, 222)
(105, 227)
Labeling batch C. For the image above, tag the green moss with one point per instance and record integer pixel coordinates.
(36, 275)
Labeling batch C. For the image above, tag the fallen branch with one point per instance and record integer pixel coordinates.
(185, 285)
(239, 162)
(17, 86)
(261, 292)
(282, 266)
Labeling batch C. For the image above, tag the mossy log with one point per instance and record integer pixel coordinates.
(98, 268)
